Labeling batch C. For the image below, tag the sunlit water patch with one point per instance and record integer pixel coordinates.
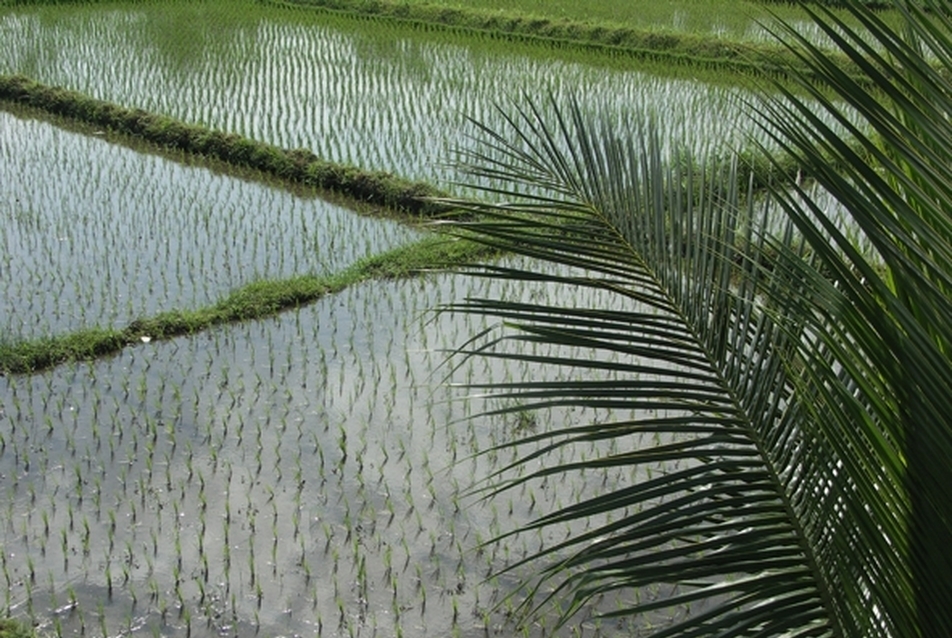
(303, 475)
(95, 234)
(378, 96)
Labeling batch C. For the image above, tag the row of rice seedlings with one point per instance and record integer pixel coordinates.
(718, 18)
(278, 476)
(376, 95)
(93, 233)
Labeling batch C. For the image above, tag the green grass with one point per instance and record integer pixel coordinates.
(253, 301)
(297, 165)
(12, 629)
(731, 19)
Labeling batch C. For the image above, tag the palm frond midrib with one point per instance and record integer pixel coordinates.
(683, 269)
(674, 285)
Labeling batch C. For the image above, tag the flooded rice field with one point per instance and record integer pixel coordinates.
(308, 474)
(96, 234)
(373, 94)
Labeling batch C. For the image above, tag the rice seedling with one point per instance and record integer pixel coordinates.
(132, 238)
(373, 467)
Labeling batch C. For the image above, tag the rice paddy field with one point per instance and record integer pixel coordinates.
(304, 475)
(373, 94)
(729, 19)
(131, 234)
(307, 474)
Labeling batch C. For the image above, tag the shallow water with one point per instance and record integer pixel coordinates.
(96, 234)
(303, 472)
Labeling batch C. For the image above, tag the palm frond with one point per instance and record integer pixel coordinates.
(796, 387)
(689, 339)
(888, 404)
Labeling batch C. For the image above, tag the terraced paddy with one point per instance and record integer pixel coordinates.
(373, 94)
(97, 234)
(304, 474)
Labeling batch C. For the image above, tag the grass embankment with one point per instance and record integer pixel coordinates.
(695, 49)
(724, 19)
(253, 301)
(299, 165)
(262, 298)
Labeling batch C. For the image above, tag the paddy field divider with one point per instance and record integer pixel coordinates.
(685, 49)
(407, 200)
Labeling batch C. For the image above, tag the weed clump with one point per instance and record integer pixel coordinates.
(10, 628)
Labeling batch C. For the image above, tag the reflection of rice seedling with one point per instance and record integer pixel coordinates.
(86, 536)
(101, 614)
(362, 558)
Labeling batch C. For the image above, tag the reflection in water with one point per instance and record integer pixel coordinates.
(287, 475)
(95, 234)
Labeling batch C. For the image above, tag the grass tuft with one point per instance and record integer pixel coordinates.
(10, 628)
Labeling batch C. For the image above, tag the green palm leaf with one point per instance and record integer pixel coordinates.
(797, 388)
(892, 313)
(692, 341)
